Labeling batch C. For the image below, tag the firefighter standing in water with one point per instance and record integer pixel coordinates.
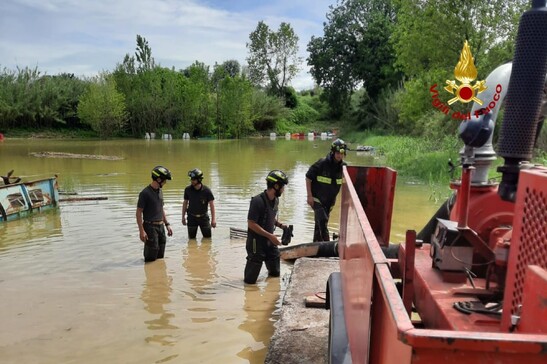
(323, 182)
(197, 199)
(262, 244)
(151, 216)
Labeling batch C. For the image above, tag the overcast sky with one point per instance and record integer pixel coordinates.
(85, 37)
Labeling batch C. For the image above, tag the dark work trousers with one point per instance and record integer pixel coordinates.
(154, 247)
(260, 249)
(321, 231)
(202, 221)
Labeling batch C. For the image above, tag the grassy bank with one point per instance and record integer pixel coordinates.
(414, 158)
(51, 133)
(425, 159)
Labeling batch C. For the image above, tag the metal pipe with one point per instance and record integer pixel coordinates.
(463, 196)
(485, 155)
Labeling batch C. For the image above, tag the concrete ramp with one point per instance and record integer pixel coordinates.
(301, 334)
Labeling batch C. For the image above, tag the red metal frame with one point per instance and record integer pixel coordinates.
(359, 246)
(378, 325)
(529, 239)
(375, 189)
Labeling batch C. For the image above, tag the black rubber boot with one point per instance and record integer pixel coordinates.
(273, 266)
(252, 270)
(150, 253)
(161, 251)
(192, 232)
(206, 231)
(321, 231)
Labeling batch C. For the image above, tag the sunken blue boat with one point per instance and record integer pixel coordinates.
(21, 199)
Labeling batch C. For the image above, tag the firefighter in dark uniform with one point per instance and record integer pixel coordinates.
(262, 221)
(323, 182)
(197, 199)
(151, 217)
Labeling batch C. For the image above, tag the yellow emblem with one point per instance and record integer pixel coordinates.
(465, 72)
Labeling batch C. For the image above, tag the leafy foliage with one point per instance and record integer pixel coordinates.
(291, 100)
(303, 114)
(273, 59)
(197, 106)
(379, 113)
(429, 34)
(428, 39)
(368, 46)
(418, 157)
(144, 55)
(266, 110)
(235, 107)
(355, 49)
(103, 107)
(28, 99)
(230, 68)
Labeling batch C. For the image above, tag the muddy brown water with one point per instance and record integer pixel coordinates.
(74, 288)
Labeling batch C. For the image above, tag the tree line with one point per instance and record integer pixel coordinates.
(138, 96)
(373, 66)
(377, 58)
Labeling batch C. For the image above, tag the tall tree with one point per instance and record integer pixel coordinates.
(230, 68)
(144, 54)
(29, 99)
(428, 39)
(103, 107)
(197, 111)
(354, 50)
(429, 34)
(235, 106)
(273, 60)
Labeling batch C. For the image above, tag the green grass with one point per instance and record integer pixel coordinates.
(416, 158)
(285, 126)
(424, 159)
(51, 133)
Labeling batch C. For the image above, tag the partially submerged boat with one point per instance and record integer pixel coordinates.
(364, 148)
(23, 198)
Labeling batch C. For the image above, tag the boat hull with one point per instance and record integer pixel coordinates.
(21, 199)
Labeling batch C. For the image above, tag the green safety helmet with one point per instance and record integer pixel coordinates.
(161, 172)
(195, 174)
(338, 146)
(277, 176)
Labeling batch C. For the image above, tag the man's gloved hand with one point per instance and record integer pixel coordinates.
(287, 235)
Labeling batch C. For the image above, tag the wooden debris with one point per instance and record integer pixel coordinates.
(77, 199)
(75, 156)
(317, 300)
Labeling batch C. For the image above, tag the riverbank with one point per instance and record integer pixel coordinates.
(50, 133)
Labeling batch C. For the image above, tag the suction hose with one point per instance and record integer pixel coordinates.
(524, 97)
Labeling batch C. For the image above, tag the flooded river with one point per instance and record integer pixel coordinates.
(73, 283)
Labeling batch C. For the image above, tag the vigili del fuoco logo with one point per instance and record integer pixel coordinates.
(464, 92)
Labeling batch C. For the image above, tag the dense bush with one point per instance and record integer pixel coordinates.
(103, 107)
(266, 110)
(303, 114)
(291, 100)
(29, 99)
